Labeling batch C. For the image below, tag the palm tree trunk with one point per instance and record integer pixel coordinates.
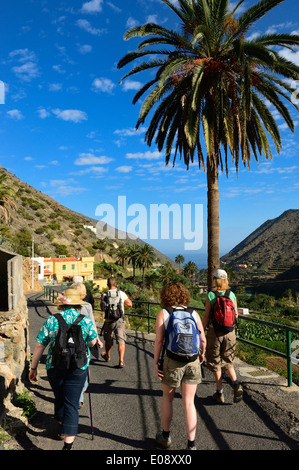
(213, 221)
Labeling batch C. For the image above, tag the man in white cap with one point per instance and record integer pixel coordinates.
(221, 336)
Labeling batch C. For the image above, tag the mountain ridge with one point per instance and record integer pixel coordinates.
(55, 228)
(274, 243)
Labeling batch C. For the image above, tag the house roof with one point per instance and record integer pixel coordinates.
(61, 260)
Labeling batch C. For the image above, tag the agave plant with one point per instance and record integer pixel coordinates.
(211, 85)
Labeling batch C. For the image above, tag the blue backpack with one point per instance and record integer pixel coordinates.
(182, 336)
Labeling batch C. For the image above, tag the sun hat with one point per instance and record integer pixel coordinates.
(69, 297)
(77, 279)
(220, 274)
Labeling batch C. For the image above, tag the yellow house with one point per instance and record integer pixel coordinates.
(100, 283)
(63, 269)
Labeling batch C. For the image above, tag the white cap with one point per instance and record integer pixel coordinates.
(77, 279)
(220, 274)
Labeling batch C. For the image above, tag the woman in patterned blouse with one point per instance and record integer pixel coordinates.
(66, 384)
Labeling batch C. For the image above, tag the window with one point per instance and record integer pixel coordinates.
(73, 266)
(64, 267)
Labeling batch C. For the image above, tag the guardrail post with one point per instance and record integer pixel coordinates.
(149, 317)
(289, 359)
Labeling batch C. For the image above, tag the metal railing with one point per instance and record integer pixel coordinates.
(51, 293)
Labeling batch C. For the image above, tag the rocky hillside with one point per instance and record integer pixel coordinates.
(56, 230)
(273, 247)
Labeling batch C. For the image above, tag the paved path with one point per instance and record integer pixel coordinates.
(126, 405)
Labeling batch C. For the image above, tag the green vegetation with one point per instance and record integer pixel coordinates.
(24, 401)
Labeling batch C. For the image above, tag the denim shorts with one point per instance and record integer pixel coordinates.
(176, 372)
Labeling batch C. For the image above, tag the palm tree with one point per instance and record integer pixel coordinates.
(167, 272)
(145, 259)
(133, 251)
(212, 82)
(190, 269)
(179, 259)
(121, 255)
(7, 198)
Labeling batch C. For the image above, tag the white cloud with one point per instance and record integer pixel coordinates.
(96, 170)
(104, 85)
(131, 131)
(58, 69)
(74, 115)
(131, 85)
(131, 23)
(114, 7)
(145, 155)
(15, 114)
(84, 24)
(291, 56)
(28, 68)
(84, 48)
(90, 159)
(43, 113)
(124, 169)
(94, 6)
(66, 187)
(55, 86)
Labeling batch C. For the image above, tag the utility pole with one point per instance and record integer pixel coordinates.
(32, 263)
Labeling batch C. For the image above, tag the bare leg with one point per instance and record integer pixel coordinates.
(166, 409)
(121, 351)
(188, 394)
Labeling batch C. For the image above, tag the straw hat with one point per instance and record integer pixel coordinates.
(70, 297)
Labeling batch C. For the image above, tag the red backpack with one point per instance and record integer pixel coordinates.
(223, 313)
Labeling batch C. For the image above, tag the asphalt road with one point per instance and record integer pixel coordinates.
(126, 407)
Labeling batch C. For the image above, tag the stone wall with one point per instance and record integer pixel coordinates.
(14, 334)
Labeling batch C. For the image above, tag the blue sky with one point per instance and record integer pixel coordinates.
(68, 126)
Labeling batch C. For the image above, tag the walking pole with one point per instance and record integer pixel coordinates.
(90, 409)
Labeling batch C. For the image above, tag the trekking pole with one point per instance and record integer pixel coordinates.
(90, 409)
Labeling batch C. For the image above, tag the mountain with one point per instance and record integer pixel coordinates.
(57, 230)
(272, 248)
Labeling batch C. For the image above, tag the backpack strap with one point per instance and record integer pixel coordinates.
(61, 320)
(78, 319)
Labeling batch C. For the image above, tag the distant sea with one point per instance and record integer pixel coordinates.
(201, 260)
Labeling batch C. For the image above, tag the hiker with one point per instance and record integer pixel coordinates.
(68, 383)
(113, 303)
(221, 339)
(88, 297)
(86, 309)
(178, 369)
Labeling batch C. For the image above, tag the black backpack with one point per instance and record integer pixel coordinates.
(70, 350)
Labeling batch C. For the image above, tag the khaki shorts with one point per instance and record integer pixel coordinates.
(176, 372)
(114, 330)
(220, 352)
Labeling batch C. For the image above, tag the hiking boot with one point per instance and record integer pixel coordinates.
(164, 442)
(219, 397)
(238, 393)
(191, 448)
